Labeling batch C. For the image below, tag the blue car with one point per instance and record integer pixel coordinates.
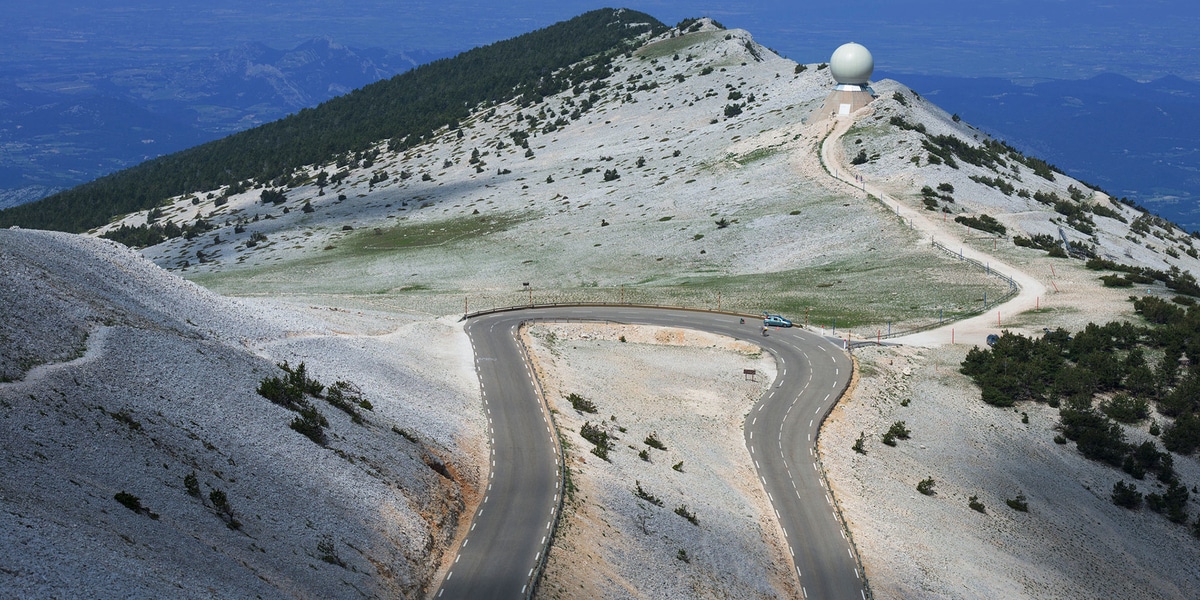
(776, 321)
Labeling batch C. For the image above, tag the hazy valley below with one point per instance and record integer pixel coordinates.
(66, 126)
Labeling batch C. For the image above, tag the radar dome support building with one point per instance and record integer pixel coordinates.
(851, 66)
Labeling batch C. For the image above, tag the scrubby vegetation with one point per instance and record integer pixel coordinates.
(976, 505)
(156, 233)
(983, 223)
(1042, 241)
(925, 486)
(897, 431)
(1175, 279)
(1019, 504)
(653, 442)
(644, 495)
(992, 154)
(580, 403)
(601, 441)
(293, 390)
(1106, 375)
(682, 510)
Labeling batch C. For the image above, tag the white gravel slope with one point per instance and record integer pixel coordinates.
(1073, 543)
(154, 398)
(686, 388)
(183, 363)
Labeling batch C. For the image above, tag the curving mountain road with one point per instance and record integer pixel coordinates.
(509, 534)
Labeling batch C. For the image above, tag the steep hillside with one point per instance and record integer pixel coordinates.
(694, 169)
(140, 462)
(686, 175)
(643, 188)
(404, 108)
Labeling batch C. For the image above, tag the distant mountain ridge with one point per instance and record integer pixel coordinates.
(1139, 140)
(268, 83)
(52, 139)
(407, 109)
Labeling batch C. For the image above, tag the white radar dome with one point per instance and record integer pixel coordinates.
(852, 64)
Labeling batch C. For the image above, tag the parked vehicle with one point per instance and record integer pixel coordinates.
(776, 321)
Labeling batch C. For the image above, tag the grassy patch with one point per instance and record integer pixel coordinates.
(756, 155)
(671, 46)
(340, 270)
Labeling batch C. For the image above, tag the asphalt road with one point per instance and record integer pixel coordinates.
(509, 536)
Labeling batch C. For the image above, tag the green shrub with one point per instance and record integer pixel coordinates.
(1125, 408)
(647, 496)
(600, 439)
(327, 551)
(925, 486)
(682, 510)
(896, 431)
(653, 442)
(224, 510)
(1018, 503)
(678, 466)
(1126, 496)
(191, 484)
(289, 391)
(347, 397)
(129, 501)
(858, 444)
(311, 423)
(976, 505)
(582, 404)
(983, 223)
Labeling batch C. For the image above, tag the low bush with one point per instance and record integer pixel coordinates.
(1019, 503)
(191, 484)
(644, 495)
(224, 510)
(925, 486)
(983, 223)
(129, 501)
(682, 510)
(580, 403)
(896, 431)
(311, 423)
(347, 397)
(1126, 496)
(653, 442)
(976, 505)
(601, 440)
